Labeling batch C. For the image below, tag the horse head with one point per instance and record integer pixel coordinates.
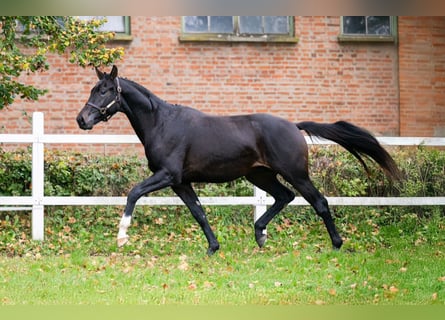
(104, 100)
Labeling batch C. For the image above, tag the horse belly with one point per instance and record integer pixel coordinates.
(212, 176)
(218, 167)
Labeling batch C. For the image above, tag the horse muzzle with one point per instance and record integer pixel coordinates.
(83, 124)
(86, 119)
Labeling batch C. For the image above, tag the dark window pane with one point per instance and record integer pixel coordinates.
(276, 24)
(378, 25)
(251, 24)
(196, 24)
(221, 24)
(354, 25)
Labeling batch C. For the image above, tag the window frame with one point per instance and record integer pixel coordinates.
(126, 34)
(350, 37)
(236, 36)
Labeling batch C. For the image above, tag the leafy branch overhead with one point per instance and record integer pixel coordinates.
(25, 42)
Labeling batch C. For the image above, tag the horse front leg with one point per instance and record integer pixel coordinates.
(157, 181)
(188, 195)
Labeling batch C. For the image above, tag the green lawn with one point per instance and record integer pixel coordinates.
(410, 276)
(381, 263)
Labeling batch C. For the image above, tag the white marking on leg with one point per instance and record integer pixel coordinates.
(264, 232)
(123, 226)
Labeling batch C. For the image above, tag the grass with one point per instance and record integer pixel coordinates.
(388, 259)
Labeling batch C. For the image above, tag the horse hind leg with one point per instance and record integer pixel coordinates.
(266, 180)
(306, 188)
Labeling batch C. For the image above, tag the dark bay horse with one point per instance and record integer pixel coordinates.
(184, 145)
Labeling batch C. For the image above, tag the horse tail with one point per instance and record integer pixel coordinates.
(356, 140)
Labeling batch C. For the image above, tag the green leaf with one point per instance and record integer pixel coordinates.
(45, 34)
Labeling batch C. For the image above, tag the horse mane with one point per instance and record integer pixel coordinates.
(155, 101)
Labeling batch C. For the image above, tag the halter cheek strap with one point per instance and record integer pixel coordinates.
(103, 110)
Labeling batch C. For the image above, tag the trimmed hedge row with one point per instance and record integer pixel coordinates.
(333, 170)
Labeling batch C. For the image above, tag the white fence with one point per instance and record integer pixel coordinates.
(37, 201)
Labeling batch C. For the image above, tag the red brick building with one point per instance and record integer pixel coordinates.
(392, 84)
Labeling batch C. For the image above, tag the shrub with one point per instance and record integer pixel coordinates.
(334, 171)
(15, 173)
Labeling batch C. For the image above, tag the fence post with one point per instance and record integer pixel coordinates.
(260, 208)
(37, 222)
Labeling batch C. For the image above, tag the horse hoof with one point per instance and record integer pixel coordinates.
(122, 241)
(261, 238)
(261, 241)
(211, 251)
(336, 245)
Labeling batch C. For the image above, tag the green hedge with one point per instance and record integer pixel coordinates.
(334, 171)
(338, 173)
(93, 228)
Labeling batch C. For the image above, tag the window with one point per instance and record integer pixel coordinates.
(238, 28)
(118, 24)
(368, 28)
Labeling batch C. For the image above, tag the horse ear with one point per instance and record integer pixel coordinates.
(99, 73)
(113, 73)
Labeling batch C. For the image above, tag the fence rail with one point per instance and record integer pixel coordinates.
(37, 201)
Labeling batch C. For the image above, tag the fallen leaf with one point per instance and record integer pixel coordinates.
(183, 266)
(72, 220)
(442, 279)
(332, 292)
(403, 269)
(393, 289)
(319, 302)
(434, 296)
(278, 284)
(192, 286)
(128, 270)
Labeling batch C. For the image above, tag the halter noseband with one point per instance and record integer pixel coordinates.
(103, 110)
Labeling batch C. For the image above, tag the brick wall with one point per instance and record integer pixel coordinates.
(316, 79)
(422, 76)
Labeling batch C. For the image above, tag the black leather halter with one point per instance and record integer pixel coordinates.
(103, 110)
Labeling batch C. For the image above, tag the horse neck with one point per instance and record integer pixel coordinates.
(141, 108)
